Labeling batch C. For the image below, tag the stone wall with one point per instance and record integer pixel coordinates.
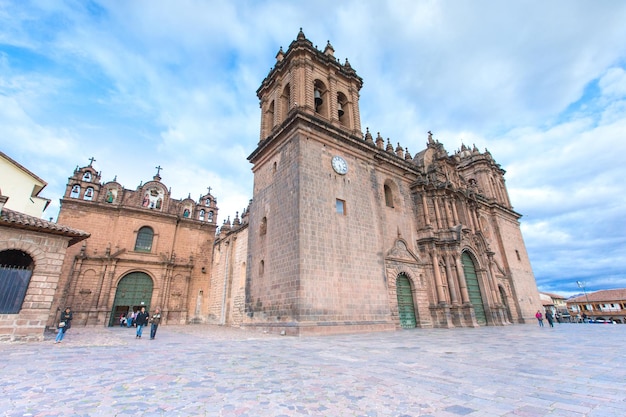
(48, 252)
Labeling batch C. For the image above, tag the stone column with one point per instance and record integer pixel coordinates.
(426, 211)
(451, 284)
(462, 282)
(437, 213)
(441, 298)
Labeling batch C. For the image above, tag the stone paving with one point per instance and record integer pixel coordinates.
(521, 370)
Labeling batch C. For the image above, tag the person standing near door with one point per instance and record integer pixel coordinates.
(141, 320)
(65, 323)
(155, 320)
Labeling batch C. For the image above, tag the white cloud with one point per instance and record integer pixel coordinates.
(143, 83)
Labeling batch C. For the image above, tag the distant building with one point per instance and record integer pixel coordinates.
(23, 187)
(554, 302)
(32, 251)
(600, 305)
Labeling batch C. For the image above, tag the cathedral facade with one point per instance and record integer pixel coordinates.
(345, 232)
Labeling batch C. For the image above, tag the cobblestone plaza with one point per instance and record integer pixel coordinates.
(522, 370)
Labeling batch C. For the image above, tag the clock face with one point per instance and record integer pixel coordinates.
(340, 165)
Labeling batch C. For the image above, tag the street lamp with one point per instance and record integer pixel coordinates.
(582, 285)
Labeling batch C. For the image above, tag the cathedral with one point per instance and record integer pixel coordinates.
(345, 232)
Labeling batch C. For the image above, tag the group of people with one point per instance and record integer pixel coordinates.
(142, 318)
(549, 318)
(139, 319)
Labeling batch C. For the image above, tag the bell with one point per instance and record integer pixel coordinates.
(340, 110)
(318, 98)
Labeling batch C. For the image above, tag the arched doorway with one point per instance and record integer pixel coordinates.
(471, 279)
(133, 292)
(406, 308)
(16, 268)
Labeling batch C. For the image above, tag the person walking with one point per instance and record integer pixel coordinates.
(65, 322)
(550, 318)
(130, 317)
(141, 320)
(155, 320)
(539, 317)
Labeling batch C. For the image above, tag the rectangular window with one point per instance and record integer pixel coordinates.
(341, 207)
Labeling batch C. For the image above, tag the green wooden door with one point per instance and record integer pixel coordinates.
(134, 290)
(406, 308)
(473, 288)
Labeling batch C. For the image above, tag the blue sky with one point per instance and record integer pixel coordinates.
(136, 84)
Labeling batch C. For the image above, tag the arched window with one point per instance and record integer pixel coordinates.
(16, 268)
(210, 219)
(75, 191)
(269, 117)
(285, 101)
(89, 194)
(201, 215)
(388, 196)
(263, 227)
(144, 239)
(319, 95)
(342, 109)
(87, 176)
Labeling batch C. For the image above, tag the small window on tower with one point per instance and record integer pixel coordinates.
(341, 207)
(388, 196)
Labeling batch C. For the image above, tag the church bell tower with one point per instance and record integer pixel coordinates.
(310, 268)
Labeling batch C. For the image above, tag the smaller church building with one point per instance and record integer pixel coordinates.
(146, 249)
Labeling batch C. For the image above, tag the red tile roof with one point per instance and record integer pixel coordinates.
(14, 219)
(601, 296)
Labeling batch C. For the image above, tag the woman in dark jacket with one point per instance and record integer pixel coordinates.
(65, 323)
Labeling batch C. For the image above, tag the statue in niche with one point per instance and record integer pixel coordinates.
(109, 197)
(186, 213)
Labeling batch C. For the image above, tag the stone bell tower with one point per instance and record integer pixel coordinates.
(310, 264)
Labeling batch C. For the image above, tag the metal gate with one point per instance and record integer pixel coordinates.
(13, 285)
(473, 288)
(133, 292)
(406, 308)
